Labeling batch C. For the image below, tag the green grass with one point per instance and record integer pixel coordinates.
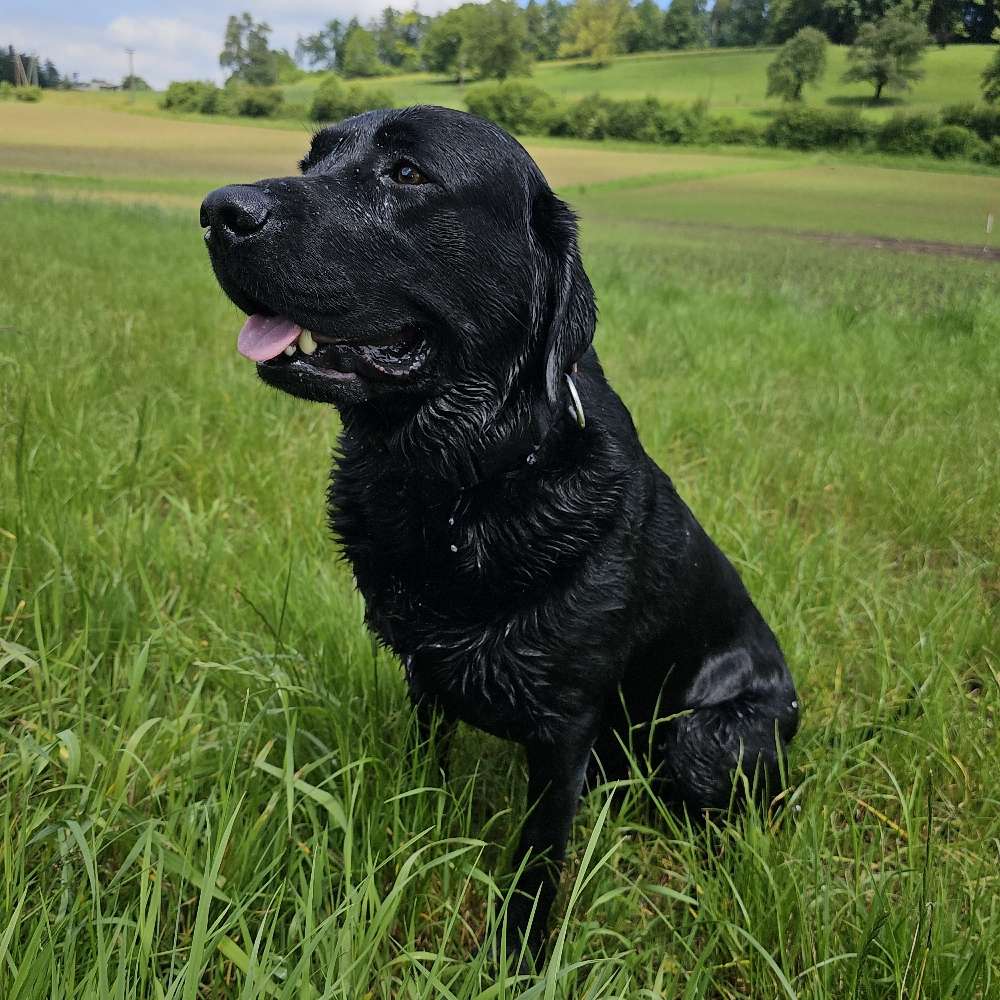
(733, 81)
(68, 150)
(206, 786)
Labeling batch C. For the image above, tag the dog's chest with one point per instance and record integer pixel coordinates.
(466, 597)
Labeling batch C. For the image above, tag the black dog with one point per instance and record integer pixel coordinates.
(536, 573)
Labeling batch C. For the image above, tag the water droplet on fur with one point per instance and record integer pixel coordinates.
(454, 548)
(451, 520)
(531, 459)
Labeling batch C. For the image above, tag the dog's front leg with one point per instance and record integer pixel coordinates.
(555, 779)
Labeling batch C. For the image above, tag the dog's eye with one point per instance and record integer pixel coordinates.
(405, 172)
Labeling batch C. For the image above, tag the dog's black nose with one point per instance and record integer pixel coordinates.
(235, 212)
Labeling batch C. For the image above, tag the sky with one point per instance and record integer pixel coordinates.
(173, 40)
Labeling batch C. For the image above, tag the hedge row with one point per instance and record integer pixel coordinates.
(962, 130)
(207, 99)
(333, 101)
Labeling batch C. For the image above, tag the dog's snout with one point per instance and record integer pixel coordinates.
(236, 212)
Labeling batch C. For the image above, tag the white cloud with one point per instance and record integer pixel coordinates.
(166, 48)
(182, 46)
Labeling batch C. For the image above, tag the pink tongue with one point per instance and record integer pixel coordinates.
(265, 337)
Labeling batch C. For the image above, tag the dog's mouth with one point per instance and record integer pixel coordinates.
(279, 342)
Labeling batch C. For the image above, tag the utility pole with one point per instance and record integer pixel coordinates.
(131, 75)
(20, 77)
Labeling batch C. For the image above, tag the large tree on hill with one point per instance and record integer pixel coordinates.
(801, 60)
(991, 80)
(554, 29)
(886, 53)
(981, 21)
(685, 25)
(359, 54)
(320, 49)
(739, 22)
(442, 49)
(398, 35)
(839, 20)
(645, 28)
(595, 29)
(245, 52)
(496, 39)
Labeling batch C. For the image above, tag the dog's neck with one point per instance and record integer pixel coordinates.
(522, 437)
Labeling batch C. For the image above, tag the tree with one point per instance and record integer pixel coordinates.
(397, 37)
(556, 16)
(360, 54)
(739, 22)
(980, 21)
(48, 75)
(245, 51)
(496, 39)
(286, 70)
(594, 29)
(135, 83)
(685, 25)
(886, 53)
(645, 28)
(946, 20)
(444, 48)
(991, 80)
(534, 26)
(801, 60)
(321, 48)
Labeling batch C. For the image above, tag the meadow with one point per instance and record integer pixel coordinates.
(208, 781)
(732, 81)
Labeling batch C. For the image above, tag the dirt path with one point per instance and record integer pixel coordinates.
(932, 247)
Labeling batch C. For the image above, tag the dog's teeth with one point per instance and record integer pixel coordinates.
(306, 343)
(290, 350)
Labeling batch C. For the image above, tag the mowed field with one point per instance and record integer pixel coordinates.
(207, 782)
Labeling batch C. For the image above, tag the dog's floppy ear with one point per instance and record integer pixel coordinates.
(571, 312)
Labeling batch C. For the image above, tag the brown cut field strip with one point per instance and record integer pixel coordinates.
(87, 141)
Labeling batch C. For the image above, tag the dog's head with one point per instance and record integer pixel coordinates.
(419, 267)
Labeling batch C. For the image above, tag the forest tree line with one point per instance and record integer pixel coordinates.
(501, 38)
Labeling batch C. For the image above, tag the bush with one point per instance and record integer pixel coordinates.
(814, 128)
(649, 120)
(30, 94)
(6, 90)
(982, 119)
(675, 123)
(989, 152)
(334, 100)
(590, 117)
(513, 105)
(191, 96)
(725, 131)
(948, 141)
(959, 114)
(252, 102)
(906, 133)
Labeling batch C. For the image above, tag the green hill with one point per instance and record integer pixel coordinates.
(732, 80)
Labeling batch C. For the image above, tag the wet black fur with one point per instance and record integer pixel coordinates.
(542, 582)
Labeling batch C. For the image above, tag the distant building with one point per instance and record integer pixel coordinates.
(95, 85)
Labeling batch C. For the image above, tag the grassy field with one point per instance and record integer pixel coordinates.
(206, 786)
(733, 81)
(67, 148)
